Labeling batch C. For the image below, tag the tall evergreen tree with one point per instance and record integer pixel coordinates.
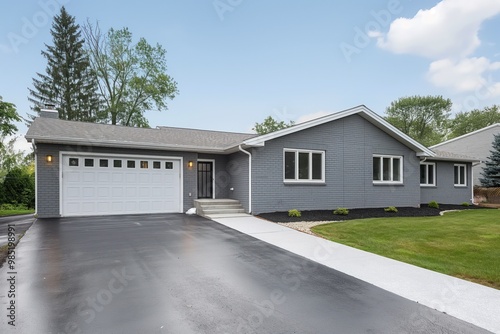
(69, 81)
(491, 172)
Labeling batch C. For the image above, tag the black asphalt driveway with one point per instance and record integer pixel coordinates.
(20, 224)
(183, 274)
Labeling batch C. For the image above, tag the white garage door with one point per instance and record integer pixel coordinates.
(106, 185)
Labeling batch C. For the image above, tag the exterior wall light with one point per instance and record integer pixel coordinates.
(48, 158)
(190, 163)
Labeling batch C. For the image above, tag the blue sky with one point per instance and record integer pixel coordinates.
(239, 61)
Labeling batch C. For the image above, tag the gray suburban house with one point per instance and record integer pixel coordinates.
(352, 159)
(476, 144)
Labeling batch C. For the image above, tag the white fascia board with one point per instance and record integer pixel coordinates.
(371, 116)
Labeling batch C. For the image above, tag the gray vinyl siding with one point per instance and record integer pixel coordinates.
(48, 175)
(445, 191)
(221, 175)
(477, 145)
(349, 145)
(237, 169)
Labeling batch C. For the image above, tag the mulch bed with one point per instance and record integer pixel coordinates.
(327, 215)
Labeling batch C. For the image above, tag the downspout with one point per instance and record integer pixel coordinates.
(36, 174)
(249, 177)
(472, 183)
(472, 179)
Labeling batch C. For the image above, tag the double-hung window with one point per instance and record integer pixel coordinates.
(387, 169)
(460, 175)
(427, 174)
(303, 166)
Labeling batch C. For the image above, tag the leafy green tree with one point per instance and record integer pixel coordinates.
(271, 125)
(466, 122)
(132, 77)
(10, 158)
(491, 172)
(423, 118)
(69, 81)
(8, 115)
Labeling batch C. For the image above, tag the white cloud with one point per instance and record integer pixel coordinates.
(465, 75)
(308, 117)
(447, 30)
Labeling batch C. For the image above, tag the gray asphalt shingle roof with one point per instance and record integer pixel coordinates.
(51, 130)
(444, 155)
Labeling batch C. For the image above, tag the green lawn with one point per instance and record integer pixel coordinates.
(15, 212)
(463, 244)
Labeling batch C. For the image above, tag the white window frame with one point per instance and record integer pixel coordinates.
(459, 173)
(310, 179)
(392, 157)
(428, 164)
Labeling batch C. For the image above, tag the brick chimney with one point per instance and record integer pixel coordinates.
(49, 111)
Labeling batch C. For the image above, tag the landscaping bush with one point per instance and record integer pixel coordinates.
(391, 209)
(18, 188)
(465, 204)
(434, 205)
(341, 211)
(294, 213)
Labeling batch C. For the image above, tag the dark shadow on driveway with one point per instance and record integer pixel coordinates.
(183, 274)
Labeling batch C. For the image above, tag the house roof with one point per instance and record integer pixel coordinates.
(448, 156)
(49, 130)
(467, 135)
(362, 111)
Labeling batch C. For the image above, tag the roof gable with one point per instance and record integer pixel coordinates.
(362, 111)
(468, 135)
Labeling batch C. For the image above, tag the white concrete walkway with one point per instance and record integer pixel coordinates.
(474, 303)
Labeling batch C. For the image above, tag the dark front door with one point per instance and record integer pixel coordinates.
(205, 179)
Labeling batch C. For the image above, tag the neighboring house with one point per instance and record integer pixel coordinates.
(352, 159)
(476, 144)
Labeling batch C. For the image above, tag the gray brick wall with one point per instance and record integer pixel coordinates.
(445, 190)
(349, 145)
(237, 169)
(48, 174)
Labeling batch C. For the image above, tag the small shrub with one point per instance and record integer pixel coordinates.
(465, 204)
(434, 205)
(391, 209)
(294, 213)
(7, 207)
(341, 211)
(11, 207)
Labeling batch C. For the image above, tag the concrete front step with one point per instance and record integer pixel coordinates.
(224, 210)
(215, 207)
(217, 201)
(228, 215)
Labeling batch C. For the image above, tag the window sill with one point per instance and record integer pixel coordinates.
(428, 186)
(398, 184)
(304, 183)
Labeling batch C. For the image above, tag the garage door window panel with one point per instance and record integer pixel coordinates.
(130, 163)
(89, 162)
(73, 162)
(103, 162)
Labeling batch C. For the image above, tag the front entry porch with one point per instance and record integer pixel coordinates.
(219, 208)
